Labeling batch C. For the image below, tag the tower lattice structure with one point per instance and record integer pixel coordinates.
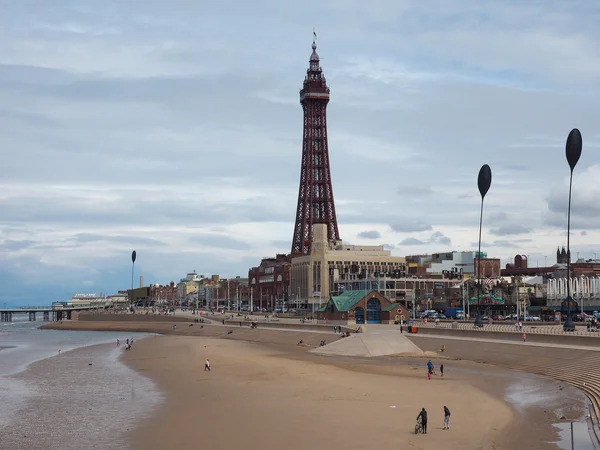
(315, 194)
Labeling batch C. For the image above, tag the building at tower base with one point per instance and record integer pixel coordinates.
(331, 264)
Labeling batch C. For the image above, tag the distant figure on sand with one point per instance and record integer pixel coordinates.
(423, 416)
(430, 367)
(446, 418)
(524, 337)
(118, 343)
(207, 365)
(442, 370)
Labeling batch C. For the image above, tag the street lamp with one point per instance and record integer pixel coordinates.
(133, 257)
(573, 153)
(484, 181)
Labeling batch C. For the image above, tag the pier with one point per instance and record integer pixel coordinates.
(48, 313)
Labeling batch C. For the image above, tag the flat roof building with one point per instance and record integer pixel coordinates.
(313, 276)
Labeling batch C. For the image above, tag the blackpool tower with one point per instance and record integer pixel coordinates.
(315, 194)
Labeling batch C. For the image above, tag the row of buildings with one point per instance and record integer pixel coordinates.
(454, 279)
(320, 267)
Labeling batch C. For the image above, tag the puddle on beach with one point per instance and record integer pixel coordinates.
(581, 436)
(527, 391)
(531, 391)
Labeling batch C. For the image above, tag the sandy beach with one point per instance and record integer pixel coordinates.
(264, 387)
(255, 396)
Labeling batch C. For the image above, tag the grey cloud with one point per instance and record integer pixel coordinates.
(415, 190)
(439, 238)
(436, 238)
(389, 246)
(219, 241)
(134, 207)
(411, 241)
(371, 234)
(516, 243)
(409, 226)
(498, 216)
(131, 240)
(585, 208)
(512, 244)
(509, 230)
(12, 245)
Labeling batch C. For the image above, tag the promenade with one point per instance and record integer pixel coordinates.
(528, 327)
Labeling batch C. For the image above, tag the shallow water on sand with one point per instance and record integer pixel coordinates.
(581, 436)
(81, 398)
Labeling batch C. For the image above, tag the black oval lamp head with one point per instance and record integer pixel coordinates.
(133, 256)
(573, 147)
(484, 180)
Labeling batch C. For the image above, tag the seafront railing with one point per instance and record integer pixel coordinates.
(527, 328)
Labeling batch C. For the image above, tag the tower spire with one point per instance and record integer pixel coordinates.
(315, 193)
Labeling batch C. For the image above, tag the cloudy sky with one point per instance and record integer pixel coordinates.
(174, 128)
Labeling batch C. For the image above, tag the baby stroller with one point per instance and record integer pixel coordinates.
(418, 426)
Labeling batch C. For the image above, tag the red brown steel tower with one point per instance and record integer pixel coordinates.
(315, 194)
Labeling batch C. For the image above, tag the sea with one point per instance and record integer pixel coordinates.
(64, 389)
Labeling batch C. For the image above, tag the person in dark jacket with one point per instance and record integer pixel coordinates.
(423, 416)
(446, 418)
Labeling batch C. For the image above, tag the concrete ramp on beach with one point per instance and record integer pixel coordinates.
(376, 341)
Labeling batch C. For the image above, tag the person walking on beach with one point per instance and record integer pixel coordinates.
(423, 416)
(524, 337)
(207, 365)
(118, 343)
(446, 418)
(442, 371)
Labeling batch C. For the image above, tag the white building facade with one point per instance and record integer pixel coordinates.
(585, 290)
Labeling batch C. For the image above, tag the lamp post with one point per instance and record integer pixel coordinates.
(573, 153)
(484, 181)
(133, 257)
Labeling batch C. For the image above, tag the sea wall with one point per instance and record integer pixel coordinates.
(95, 317)
(287, 325)
(589, 341)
